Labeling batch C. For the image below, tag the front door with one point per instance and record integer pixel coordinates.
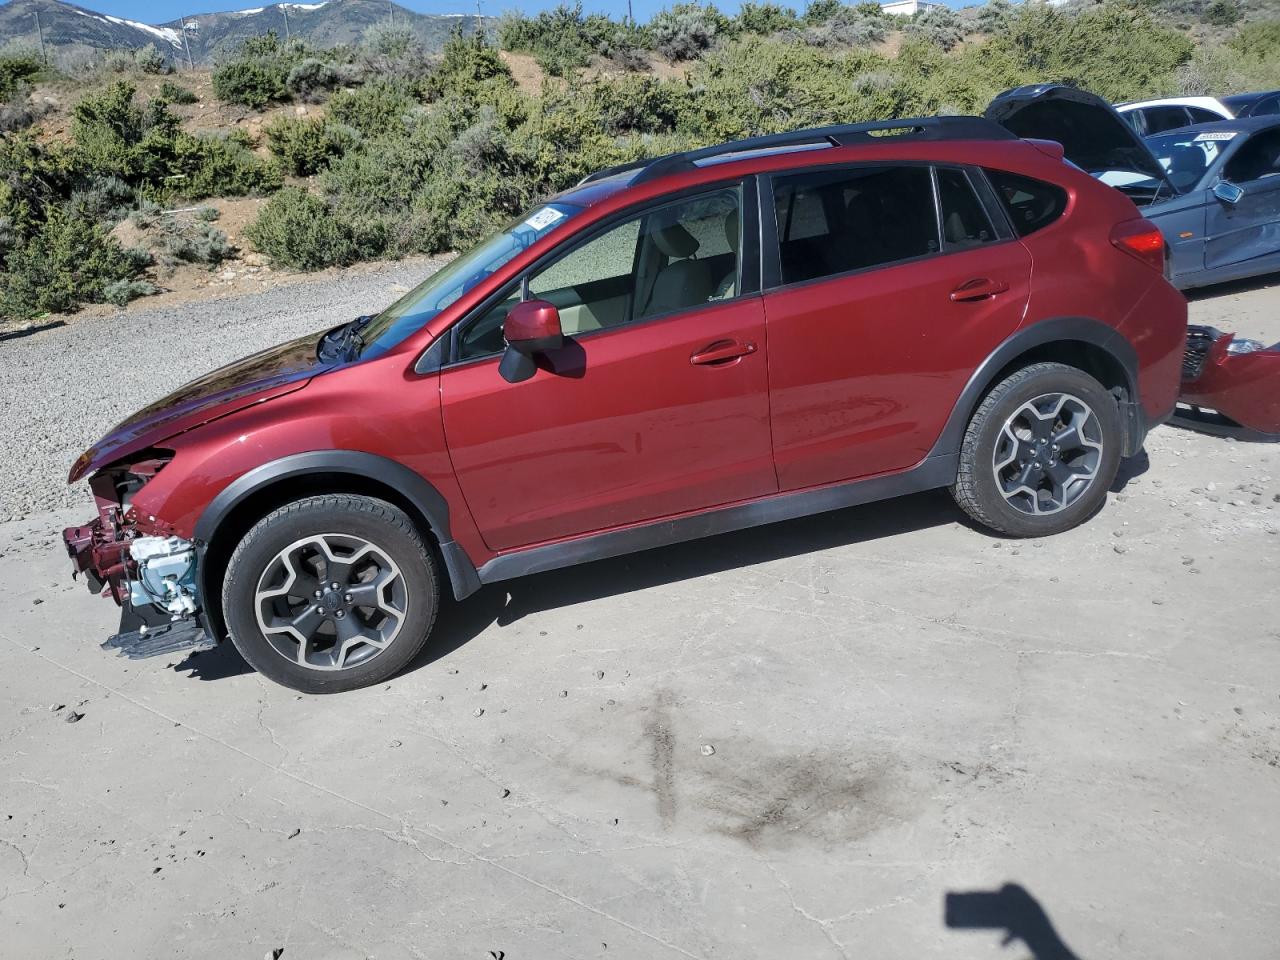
(658, 403)
(884, 307)
(1249, 229)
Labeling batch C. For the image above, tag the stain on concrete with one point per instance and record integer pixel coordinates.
(661, 737)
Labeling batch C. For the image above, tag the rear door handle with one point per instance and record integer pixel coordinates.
(722, 351)
(978, 288)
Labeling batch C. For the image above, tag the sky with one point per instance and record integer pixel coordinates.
(162, 11)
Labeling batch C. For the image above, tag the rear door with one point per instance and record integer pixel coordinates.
(1248, 230)
(889, 285)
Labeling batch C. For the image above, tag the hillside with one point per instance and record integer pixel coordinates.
(70, 29)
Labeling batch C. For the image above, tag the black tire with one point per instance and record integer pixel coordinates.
(341, 521)
(977, 490)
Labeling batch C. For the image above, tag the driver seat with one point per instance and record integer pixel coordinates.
(684, 281)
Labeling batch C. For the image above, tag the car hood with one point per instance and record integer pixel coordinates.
(1093, 135)
(262, 376)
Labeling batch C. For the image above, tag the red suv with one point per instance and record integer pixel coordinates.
(707, 341)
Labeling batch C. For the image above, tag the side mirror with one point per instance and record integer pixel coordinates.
(1228, 192)
(530, 328)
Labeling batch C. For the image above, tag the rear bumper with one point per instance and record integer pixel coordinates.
(1229, 394)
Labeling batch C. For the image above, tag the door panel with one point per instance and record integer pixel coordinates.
(865, 369)
(1246, 230)
(616, 428)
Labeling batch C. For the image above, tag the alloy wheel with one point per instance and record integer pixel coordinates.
(1047, 454)
(331, 601)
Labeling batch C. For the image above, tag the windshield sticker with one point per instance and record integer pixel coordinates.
(1224, 135)
(543, 218)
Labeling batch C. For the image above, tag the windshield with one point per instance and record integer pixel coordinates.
(421, 304)
(1186, 155)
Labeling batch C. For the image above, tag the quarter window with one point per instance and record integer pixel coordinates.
(834, 221)
(1032, 204)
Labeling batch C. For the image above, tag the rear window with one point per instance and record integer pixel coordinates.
(1032, 204)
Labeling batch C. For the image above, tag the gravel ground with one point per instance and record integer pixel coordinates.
(67, 385)
(793, 741)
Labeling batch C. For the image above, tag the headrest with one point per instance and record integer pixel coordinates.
(731, 228)
(675, 241)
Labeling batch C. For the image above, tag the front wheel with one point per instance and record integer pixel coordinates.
(331, 593)
(1040, 452)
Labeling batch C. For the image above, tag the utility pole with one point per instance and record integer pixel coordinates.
(186, 44)
(479, 20)
(391, 12)
(40, 31)
(284, 8)
(630, 16)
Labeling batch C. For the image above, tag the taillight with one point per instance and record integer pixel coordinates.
(1141, 239)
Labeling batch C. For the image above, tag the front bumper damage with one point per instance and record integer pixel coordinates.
(150, 573)
(1230, 387)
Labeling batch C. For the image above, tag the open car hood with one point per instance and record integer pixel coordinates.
(1093, 135)
(262, 376)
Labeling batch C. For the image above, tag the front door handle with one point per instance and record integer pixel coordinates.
(722, 351)
(978, 288)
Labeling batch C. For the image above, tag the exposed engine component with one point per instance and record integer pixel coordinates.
(165, 577)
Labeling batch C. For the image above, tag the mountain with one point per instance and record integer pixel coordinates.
(67, 26)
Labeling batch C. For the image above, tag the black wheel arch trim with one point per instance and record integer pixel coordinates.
(1045, 332)
(416, 489)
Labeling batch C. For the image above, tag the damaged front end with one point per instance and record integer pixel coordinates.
(1230, 386)
(138, 561)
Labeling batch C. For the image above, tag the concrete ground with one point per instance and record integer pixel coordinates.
(792, 742)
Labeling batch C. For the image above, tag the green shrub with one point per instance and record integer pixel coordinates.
(259, 72)
(312, 80)
(468, 69)
(820, 11)
(16, 70)
(298, 230)
(104, 199)
(121, 292)
(1223, 13)
(377, 108)
(563, 39)
(188, 238)
(114, 136)
(937, 25)
(764, 19)
(175, 93)
(306, 147)
(151, 60)
(687, 30)
(67, 262)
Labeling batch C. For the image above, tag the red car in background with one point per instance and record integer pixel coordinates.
(703, 342)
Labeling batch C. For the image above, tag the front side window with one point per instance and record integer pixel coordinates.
(412, 311)
(1258, 158)
(668, 259)
(834, 221)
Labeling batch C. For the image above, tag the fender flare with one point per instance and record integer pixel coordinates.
(424, 497)
(1057, 330)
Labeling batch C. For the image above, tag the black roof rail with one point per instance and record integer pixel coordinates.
(840, 135)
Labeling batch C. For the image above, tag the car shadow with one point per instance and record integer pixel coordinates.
(1247, 285)
(1013, 910)
(503, 604)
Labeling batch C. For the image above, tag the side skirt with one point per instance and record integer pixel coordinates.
(933, 472)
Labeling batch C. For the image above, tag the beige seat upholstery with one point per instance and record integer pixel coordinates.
(684, 281)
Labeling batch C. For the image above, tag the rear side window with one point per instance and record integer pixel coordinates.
(1032, 204)
(1201, 115)
(964, 220)
(835, 221)
(1160, 119)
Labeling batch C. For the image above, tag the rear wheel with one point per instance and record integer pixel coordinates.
(1040, 452)
(331, 593)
